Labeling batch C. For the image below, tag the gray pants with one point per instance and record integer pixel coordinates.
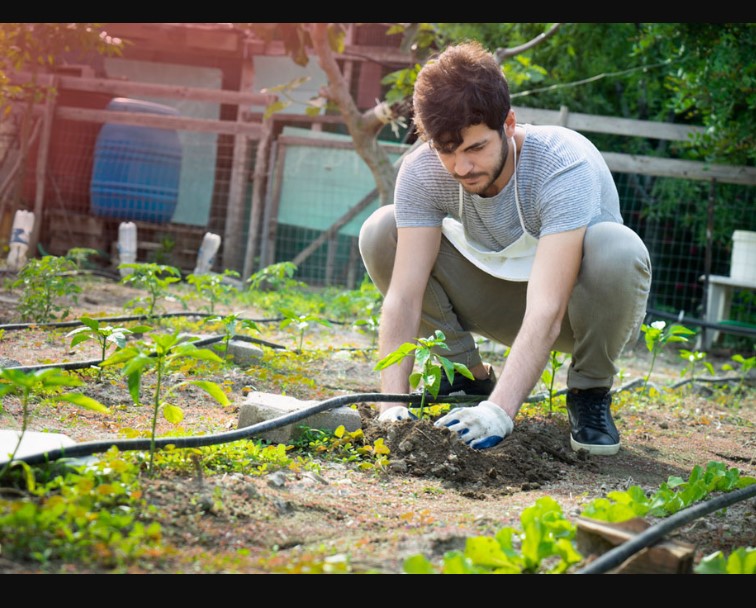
(605, 312)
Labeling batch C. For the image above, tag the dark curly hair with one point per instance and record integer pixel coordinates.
(461, 87)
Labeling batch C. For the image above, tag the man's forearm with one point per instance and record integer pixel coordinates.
(396, 328)
(525, 364)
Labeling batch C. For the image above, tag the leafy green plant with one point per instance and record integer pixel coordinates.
(369, 325)
(671, 497)
(657, 335)
(740, 561)
(301, 322)
(548, 375)
(431, 365)
(156, 279)
(345, 446)
(274, 277)
(214, 287)
(167, 355)
(744, 366)
(44, 288)
(104, 335)
(80, 255)
(95, 515)
(230, 324)
(32, 384)
(692, 357)
(543, 545)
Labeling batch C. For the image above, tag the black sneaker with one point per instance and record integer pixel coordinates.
(465, 386)
(591, 424)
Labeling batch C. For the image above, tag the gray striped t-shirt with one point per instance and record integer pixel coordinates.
(563, 183)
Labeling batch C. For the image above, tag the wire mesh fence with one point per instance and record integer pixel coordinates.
(687, 225)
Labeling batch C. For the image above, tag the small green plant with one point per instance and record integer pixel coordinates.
(156, 279)
(45, 285)
(345, 446)
(691, 357)
(744, 366)
(369, 325)
(671, 497)
(657, 335)
(231, 323)
(31, 385)
(275, 277)
(431, 365)
(740, 561)
(166, 356)
(214, 288)
(95, 515)
(548, 376)
(80, 256)
(301, 323)
(543, 545)
(104, 335)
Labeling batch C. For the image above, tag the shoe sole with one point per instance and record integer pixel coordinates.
(596, 450)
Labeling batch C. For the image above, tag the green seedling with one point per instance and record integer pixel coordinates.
(28, 385)
(544, 544)
(548, 376)
(430, 362)
(231, 323)
(674, 495)
(156, 279)
(657, 335)
(105, 336)
(740, 561)
(692, 357)
(80, 255)
(744, 367)
(166, 356)
(45, 285)
(301, 323)
(212, 287)
(275, 277)
(369, 326)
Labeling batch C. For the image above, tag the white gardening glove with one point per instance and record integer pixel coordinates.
(398, 412)
(481, 426)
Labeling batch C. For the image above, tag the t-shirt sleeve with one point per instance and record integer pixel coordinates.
(415, 197)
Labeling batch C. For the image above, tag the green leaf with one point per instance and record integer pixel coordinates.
(172, 413)
(85, 402)
(134, 381)
(418, 564)
(212, 389)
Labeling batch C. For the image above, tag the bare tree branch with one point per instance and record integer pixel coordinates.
(503, 54)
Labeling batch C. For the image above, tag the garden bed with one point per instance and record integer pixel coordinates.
(430, 495)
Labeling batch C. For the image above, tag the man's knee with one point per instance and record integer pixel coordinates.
(377, 244)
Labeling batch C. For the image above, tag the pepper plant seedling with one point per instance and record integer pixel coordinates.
(430, 362)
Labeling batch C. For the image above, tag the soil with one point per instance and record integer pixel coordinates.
(434, 494)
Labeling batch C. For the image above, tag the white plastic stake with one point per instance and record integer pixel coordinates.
(127, 246)
(23, 224)
(206, 254)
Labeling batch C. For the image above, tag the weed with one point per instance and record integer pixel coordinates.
(548, 376)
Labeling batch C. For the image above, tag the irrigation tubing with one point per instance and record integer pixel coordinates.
(648, 537)
(95, 447)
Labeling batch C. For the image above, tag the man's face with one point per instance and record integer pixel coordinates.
(477, 163)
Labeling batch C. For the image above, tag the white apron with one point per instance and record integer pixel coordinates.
(513, 263)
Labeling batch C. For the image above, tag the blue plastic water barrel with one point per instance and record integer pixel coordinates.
(136, 169)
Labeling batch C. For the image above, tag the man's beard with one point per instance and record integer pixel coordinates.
(480, 190)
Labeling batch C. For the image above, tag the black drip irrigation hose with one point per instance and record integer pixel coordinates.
(95, 447)
(648, 537)
(164, 315)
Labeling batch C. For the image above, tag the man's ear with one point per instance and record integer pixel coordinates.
(509, 124)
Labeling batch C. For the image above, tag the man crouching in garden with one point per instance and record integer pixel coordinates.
(511, 231)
